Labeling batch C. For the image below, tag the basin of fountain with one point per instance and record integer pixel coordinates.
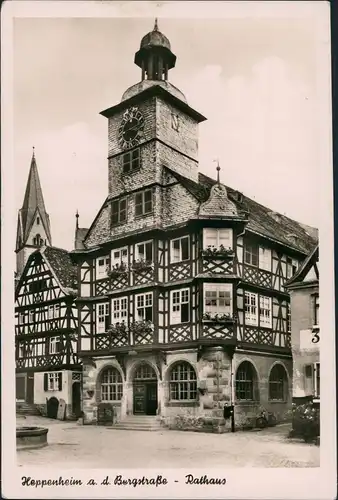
(31, 437)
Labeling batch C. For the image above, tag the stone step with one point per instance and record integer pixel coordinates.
(26, 409)
(134, 427)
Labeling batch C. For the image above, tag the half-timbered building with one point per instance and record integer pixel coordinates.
(305, 328)
(182, 306)
(47, 367)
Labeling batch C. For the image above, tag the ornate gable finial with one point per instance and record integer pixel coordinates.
(155, 25)
(77, 219)
(33, 156)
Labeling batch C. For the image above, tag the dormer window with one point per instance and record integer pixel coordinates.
(144, 202)
(131, 161)
(38, 220)
(119, 211)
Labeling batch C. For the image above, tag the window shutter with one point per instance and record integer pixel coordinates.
(45, 381)
(265, 258)
(224, 237)
(115, 212)
(60, 381)
(210, 237)
(138, 203)
(123, 210)
(148, 201)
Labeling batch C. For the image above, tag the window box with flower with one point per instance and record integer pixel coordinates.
(118, 329)
(141, 327)
(118, 270)
(217, 318)
(142, 265)
(220, 252)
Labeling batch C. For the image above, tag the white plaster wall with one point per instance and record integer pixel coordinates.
(40, 394)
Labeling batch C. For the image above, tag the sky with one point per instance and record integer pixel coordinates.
(255, 79)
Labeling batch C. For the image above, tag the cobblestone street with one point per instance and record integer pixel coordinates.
(74, 446)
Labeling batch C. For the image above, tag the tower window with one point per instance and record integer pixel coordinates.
(38, 220)
(131, 161)
(37, 240)
(119, 211)
(144, 202)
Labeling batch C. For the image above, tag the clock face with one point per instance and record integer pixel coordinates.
(131, 128)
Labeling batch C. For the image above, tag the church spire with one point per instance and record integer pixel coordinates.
(33, 221)
(155, 57)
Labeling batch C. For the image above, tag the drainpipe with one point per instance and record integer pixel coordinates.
(232, 394)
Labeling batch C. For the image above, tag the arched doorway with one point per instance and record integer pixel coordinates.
(76, 399)
(52, 407)
(145, 390)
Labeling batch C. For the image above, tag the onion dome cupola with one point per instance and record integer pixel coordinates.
(155, 57)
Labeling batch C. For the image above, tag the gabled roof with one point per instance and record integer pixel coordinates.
(310, 261)
(33, 203)
(262, 220)
(61, 266)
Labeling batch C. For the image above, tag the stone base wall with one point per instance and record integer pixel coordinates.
(214, 371)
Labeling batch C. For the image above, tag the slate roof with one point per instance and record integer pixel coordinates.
(262, 220)
(62, 265)
(80, 234)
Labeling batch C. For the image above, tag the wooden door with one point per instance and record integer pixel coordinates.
(139, 398)
(21, 387)
(30, 388)
(151, 396)
(76, 399)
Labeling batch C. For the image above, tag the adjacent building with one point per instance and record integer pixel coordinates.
(305, 328)
(182, 304)
(47, 368)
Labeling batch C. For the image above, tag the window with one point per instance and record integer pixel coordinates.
(102, 266)
(118, 256)
(265, 258)
(102, 319)
(37, 286)
(38, 220)
(144, 202)
(54, 311)
(54, 381)
(217, 299)
(119, 211)
(21, 318)
(131, 161)
(180, 305)
(278, 383)
(37, 240)
(144, 307)
(291, 267)
(251, 254)
(183, 383)
(288, 318)
(245, 382)
(316, 310)
(54, 345)
(120, 310)
(144, 251)
(31, 317)
(179, 249)
(111, 385)
(145, 372)
(250, 308)
(216, 237)
(317, 380)
(265, 311)
(21, 352)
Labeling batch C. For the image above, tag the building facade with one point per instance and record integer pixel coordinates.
(47, 368)
(305, 339)
(182, 306)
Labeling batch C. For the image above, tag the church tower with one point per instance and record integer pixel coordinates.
(33, 221)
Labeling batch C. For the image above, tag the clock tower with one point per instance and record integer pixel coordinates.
(153, 126)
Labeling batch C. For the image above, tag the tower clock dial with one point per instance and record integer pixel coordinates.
(131, 128)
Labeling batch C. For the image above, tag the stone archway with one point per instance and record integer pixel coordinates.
(145, 390)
